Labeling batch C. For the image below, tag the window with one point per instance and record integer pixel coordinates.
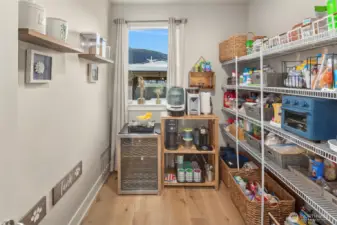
(148, 49)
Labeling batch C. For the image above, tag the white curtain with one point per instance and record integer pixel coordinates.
(120, 87)
(176, 46)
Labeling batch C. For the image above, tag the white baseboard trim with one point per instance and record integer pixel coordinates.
(83, 209)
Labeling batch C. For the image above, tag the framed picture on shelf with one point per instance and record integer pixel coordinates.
(93, 73)
(38, 67)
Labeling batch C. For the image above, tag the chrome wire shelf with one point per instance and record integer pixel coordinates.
(324, 39)
(288, 91)
(308, 192)
(320, 149)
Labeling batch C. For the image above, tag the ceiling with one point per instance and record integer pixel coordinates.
(177, 1)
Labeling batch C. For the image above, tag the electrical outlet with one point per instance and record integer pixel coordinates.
(36, 214)
(62, 187)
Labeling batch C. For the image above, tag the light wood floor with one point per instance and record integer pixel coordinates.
(176, 206)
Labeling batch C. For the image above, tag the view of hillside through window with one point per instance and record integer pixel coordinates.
(148, 59)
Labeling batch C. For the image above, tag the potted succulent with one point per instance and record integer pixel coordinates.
(141, 99)
(158, 91)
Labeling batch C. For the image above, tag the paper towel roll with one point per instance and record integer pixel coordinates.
(205, 103)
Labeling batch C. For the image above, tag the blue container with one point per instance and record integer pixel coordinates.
(227, 152)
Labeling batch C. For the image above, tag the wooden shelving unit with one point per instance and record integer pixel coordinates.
(193, 150)
(36, 38)
(205, 78)
(205, 184)
(213, 156)
(95, 58)
(189, 117)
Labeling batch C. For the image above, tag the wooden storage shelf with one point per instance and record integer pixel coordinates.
(189, 117)
(36, 38)
(193, 150)
(205, 184)
(203, 80)
(95, 58)
(213, 156)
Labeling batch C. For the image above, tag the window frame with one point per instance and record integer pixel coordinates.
(149, 104)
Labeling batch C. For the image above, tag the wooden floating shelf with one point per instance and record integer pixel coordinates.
(189, 117)
(202, 74)
(205, 184)
(193, 150)
(95, 58)
(36, 38)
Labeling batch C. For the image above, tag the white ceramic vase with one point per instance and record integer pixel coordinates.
(32, 16)
(57, 28)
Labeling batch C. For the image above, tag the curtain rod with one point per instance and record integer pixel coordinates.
(183, 21)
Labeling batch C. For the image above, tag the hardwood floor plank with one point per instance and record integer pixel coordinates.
(175, 206)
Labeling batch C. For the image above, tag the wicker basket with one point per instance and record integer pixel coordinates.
(224, 172)
(250, 210)
(234, 46)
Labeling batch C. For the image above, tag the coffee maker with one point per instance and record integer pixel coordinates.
(193, 101)
(171, 134)
(204, 143)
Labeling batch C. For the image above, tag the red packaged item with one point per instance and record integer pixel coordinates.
(228, 95)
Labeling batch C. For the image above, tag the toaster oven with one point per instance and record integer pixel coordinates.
(311, 118)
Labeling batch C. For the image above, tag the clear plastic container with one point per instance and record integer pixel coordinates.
(103, 47)
(108, 52)
(91, 42)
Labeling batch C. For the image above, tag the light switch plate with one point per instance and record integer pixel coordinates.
(36, 214)
(62, 187)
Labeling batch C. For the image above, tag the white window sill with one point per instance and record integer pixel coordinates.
(150, 105)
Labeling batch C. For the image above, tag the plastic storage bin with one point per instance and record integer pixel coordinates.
(285, 159)
(270, 79)
(253, 142)
(254, 111)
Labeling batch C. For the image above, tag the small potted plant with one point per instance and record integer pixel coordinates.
(141, 99)
(158, 91)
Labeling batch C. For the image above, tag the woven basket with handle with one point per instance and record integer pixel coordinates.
(234, 46)
(251, 210)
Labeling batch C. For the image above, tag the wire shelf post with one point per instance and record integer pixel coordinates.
(237, 113)
(262, 134)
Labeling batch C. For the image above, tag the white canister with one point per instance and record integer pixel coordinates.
(57, 28)
(108, 52)
(205, 103)
(103, 48)
(32, 16)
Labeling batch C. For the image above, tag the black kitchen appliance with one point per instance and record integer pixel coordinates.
(204, 140)
(196, 134)
(136, 127)
(171, 134)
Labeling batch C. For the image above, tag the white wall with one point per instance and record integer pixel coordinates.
(9, 153)
(208, 25)
(47, 129)
(273, 17)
